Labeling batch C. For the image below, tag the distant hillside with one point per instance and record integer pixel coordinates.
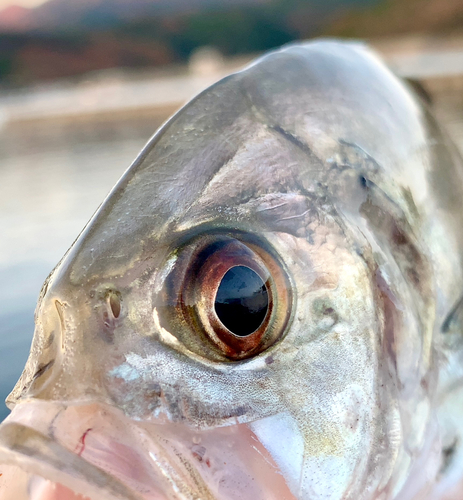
(66, 38)
(392, 17)
(60, 15)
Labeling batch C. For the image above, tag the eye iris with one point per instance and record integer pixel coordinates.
(241, 302)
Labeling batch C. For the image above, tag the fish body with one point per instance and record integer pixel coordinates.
(266, 306)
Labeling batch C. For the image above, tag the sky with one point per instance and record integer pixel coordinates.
(23, 3)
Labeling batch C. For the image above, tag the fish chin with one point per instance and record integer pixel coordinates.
(52, 451)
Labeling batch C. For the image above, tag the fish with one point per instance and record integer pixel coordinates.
(268, 304)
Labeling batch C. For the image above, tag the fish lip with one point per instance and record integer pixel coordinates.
(77, 445)
(38, 454)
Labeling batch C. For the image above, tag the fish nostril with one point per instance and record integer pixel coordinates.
(364, 182)
(43, 368)
(115, 304)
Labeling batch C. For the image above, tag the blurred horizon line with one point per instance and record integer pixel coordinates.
(159, 92)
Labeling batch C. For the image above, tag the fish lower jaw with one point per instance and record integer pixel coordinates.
(51, 451)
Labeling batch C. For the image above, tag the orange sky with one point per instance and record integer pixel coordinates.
(24, 3)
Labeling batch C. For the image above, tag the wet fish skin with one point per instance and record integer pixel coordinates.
(319, 155)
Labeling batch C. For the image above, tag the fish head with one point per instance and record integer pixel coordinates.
(250, 312)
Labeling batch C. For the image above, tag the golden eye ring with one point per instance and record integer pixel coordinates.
(198, 296)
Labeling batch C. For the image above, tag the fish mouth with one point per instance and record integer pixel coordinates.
(52, 451)
(93, 451)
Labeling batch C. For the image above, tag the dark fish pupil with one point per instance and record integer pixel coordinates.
(241, 302)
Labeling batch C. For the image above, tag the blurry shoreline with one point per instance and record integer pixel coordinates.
(117, 94)
(75, 110)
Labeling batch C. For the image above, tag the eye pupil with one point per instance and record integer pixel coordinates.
(241, 302)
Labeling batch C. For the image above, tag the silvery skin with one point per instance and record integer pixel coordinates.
(325, 175)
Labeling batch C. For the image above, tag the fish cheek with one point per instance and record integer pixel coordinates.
(333, 386)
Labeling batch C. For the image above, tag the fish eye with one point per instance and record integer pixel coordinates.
(233, 294)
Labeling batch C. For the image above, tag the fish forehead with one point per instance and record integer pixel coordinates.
(313, 104)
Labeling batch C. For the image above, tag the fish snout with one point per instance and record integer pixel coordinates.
(73, 344)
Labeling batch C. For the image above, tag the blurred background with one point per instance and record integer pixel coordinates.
(85, 83)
